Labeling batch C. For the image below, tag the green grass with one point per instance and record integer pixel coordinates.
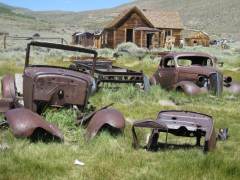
(108, 157)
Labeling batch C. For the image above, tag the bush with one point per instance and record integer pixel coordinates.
(131, 49)
(106, 52)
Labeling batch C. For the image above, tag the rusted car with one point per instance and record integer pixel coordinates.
(55, 86)
(178, 123)
(192, 73)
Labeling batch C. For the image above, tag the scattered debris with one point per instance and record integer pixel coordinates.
(223, 134)
(3, 147)
(167, 103)
(79, 163)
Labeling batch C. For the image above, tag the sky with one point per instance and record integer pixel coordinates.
(66, 5)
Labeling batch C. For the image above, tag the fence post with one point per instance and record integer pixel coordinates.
(4, 41)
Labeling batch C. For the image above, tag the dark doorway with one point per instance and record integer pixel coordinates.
(149, 40)
(129, 35)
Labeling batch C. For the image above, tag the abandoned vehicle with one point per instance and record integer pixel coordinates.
(55, 86)
(178, 123)
(105, 72)
(144, 27)
(192, 73)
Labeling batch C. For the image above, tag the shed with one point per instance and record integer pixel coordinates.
(195, 37)
(85, 39)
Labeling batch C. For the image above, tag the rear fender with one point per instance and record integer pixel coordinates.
(107, 117)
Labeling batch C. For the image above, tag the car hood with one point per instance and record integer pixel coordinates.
(203, 70)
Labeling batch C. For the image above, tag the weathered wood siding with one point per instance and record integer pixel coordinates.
(198, 38)
(177, 35)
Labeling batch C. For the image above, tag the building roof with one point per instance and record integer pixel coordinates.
(194, 33)
(124, 14)
(157, 19)
(164, 19)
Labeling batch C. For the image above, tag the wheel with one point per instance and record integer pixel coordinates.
(9, 87)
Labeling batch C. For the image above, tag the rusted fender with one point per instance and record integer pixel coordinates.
(107, 117)
(26, 124)
(189, 88)
(233, 88)
(8, 87)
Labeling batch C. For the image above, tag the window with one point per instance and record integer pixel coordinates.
(168, 63)
(167, 33)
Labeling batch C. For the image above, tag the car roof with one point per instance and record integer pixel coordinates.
(181, 54)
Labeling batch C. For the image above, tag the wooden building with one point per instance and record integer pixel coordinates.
(85, 39)
(145, 28)
(194, 37)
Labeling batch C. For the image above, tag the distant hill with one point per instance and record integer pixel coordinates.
(217, 17)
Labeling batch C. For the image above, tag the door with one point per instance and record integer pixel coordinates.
(129, 35)
(149, 40)
(167, 73)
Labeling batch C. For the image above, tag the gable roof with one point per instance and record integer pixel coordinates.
(124, 14)
(157, 19)
(191, 33)
(164, 19)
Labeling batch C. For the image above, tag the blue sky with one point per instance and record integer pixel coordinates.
(67, 5)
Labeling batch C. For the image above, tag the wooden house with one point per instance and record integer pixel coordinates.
(85, 39)
(194, 37)
(145, 28)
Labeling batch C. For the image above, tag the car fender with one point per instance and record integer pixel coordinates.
(107, 117)
(27, 124)
(189, 88)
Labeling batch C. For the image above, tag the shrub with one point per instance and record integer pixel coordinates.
(106, 52)
(132, 50)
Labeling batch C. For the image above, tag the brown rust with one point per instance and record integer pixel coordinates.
(179, 123)
(26, 124)
(53, 85)
(109, 118)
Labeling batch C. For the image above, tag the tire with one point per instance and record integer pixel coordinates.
(9, 87)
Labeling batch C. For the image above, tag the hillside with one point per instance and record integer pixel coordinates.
(217, 17)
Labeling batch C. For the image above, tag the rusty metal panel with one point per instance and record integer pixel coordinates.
(106, 117)
(26, 124)
(55, 86)
(179, 123)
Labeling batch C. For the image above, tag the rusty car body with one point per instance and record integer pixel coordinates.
(192, 73)
(53, 86)
(179, 123)
(106, 72)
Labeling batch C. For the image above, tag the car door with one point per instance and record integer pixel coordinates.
(167, 72)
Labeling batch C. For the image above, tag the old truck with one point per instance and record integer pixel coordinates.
(53, 86)
(192, 73)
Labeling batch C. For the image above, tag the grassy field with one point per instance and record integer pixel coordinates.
(108, 157)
